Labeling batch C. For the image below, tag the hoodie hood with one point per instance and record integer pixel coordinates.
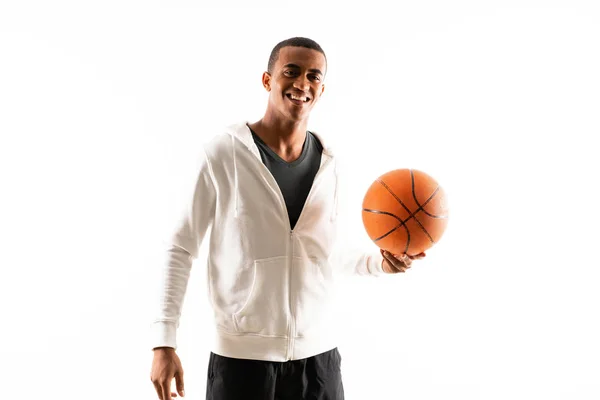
(241, 133)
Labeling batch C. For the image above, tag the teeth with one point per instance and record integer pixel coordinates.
(298, 98)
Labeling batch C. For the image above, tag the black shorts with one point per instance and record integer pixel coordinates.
(314, 378)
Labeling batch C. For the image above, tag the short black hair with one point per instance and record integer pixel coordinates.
(296, 42)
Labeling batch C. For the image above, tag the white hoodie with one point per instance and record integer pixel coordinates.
(270, 286)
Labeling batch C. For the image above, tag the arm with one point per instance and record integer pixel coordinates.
(363, 258)
(182, 248)
(196, 217)
(352, 261)
(353, 252)
(371, 263)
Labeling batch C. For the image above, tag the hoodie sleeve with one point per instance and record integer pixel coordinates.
(352, 261)
(353, 251)
(181, 249)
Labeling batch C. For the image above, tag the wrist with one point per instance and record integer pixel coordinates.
(163, 348)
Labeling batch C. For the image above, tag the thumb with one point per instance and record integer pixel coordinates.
(418, 256)
(179, 383)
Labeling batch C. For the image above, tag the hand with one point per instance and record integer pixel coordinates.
(166, 366)
(393, 264)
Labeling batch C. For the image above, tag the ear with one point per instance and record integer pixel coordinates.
(266, 81)
(322, 89)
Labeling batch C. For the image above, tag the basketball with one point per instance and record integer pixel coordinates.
(405, 212)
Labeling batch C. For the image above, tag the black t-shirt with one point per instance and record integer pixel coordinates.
(296, 178)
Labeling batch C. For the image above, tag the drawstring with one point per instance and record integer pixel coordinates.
(334, 211)
(235, 177)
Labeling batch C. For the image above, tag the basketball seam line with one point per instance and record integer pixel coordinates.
(420, 207)
(412, 215)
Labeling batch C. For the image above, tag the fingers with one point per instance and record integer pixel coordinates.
(418, 256)
(179, 383)
(163, 389)
(166, 391)
(404, 260)
(158, 390)
(396, 263)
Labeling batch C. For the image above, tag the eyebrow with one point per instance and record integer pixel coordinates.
(313, 70)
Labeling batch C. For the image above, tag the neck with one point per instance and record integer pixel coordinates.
(284, 137)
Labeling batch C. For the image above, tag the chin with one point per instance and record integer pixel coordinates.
(298, 115)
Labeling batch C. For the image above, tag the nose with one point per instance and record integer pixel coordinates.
(301, 83)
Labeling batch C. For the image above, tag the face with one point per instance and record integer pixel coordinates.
(296, 82)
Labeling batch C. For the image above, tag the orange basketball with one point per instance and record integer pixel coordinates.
(405, 212)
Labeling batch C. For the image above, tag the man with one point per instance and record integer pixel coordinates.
(269, 191)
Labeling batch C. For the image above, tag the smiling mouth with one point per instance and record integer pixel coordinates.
(297, 99)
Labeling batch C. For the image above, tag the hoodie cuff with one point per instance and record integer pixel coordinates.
(164, 334)
(374, 263)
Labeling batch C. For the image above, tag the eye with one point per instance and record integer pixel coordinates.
(315, 78)
(289, 73)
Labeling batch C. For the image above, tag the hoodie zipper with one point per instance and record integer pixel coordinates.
(292, 324)
(290, 255)
(292, 321)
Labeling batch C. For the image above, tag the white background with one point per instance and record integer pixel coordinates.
(103, 106)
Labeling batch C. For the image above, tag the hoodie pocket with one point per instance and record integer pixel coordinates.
(313, 293)
(265, 310)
